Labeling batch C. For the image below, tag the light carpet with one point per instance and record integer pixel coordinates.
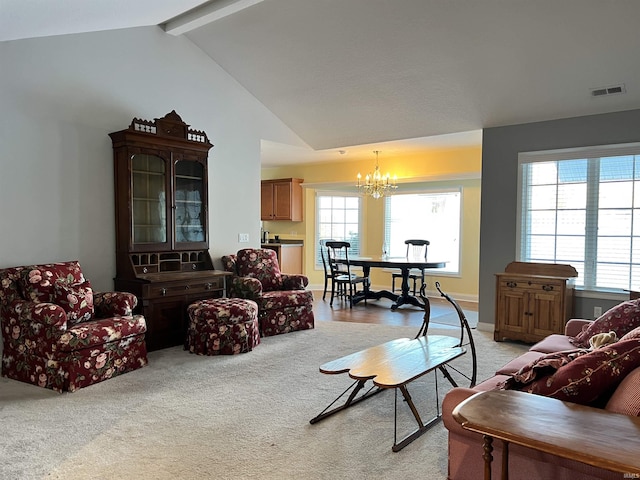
(230, 417)
(453, 319)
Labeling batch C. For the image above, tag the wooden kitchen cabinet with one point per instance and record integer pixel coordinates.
(289, 256)
(281, 199)
(162, 234)
(533, 300)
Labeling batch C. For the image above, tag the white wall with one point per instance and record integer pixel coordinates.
(61, 96)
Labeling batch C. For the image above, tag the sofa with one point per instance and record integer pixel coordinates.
(284, 303)
(595, 363)
(58, 333)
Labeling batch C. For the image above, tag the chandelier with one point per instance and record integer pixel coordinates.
(375, 185)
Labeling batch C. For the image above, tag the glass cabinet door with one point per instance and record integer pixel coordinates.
(189, 197)
(149, 219)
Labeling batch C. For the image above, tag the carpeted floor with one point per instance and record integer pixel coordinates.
(230, 417)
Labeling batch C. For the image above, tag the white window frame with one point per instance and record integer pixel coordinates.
(355, 247)
(587, 265)
(398, 248)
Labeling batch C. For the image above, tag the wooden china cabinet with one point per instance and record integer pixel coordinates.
(162, 234)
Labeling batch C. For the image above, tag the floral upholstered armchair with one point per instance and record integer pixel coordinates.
(58, 333)
(283, 303)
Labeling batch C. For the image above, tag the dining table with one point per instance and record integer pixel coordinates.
(404, 264)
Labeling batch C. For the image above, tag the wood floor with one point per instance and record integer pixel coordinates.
(379, 311)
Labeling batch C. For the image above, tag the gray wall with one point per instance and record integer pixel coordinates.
(500, 148)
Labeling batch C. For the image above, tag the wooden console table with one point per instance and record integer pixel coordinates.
(589, 435)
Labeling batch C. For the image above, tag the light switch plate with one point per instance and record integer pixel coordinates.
(243, 237)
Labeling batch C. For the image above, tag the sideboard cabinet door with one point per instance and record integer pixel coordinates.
(533, 300)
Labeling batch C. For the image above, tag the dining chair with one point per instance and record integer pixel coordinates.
(337, 258)
(328, 275)
(416, 249)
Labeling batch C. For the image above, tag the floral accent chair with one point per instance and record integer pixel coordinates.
(58, 333)
(284, 305)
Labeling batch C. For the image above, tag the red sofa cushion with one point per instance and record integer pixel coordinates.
(635, 333)
(621, 319)
(590, 378)
(555, 343)
(626, 398)
(98, 332)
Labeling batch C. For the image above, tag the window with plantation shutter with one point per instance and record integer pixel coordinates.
(582, 207)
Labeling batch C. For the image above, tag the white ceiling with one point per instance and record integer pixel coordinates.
(359, 75)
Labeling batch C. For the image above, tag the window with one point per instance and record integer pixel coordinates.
(337, 218)
(433, 216)
(582, 207)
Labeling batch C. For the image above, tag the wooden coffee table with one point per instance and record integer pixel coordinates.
(589, 435)
(393, 364)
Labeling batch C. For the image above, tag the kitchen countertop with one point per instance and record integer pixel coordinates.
(283, 242)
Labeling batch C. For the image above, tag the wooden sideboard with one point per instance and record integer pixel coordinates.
(533, 300)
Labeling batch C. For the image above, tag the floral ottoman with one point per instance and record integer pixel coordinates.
(222, 326)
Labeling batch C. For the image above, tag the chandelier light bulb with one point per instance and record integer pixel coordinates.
(375, 184)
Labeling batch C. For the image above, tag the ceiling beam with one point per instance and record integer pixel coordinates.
(205, 14)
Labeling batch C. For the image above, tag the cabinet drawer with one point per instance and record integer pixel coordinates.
(531, 285)
(145, 269)
(184, 288)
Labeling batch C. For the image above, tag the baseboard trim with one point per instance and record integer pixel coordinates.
(485, 327)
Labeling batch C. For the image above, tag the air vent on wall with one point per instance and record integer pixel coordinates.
(611, 90)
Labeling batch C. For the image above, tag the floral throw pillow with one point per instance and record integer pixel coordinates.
(541, 367)
(76, 300)
(620, 319)
(261, 264)
(37, 282)
(590, 378)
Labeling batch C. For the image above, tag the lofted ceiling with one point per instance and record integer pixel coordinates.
(359, 75)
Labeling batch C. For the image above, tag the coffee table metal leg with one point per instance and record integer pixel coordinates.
(422, 427)
(357, 386)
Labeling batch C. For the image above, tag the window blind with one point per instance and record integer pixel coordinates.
(582, 207)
